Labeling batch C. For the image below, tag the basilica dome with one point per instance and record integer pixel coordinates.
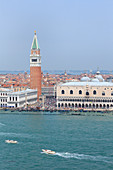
(85, 79)
(99, 77)
(95, 80)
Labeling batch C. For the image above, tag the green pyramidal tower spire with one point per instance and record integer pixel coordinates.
(35, 42)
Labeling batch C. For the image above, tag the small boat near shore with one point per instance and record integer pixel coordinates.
(11, 141)
(48, 151)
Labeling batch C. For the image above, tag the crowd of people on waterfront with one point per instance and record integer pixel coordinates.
(47, 104)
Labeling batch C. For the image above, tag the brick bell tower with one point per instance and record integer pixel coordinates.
(35, 66)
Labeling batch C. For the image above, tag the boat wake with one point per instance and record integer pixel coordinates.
(85, 157)
(22, 135)
(1, 124)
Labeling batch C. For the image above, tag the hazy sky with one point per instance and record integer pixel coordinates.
(72, 34)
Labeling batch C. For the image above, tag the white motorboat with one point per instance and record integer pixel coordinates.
(11, 141)
(48, 151)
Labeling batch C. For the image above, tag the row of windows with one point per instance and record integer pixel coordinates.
(85, 100)
(87, 93)
(3, 105)
(84, 105)
(2, 94)
(3, 100)
(13, 98)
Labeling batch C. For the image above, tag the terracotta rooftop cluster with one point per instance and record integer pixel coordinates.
(21, 81)
(15, 80)
(53, 79)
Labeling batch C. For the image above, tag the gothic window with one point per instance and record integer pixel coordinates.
(100, 105)
(71, 91)
(62, 105)
(80, 91)
(79, 105)
(89, 105)
(76, 105)
(94, 92)
(103, 93)
(104, 106)
(87, 93)
(72, 104)
(86, 105)
(96, 105)
(65, 104)
(112, 93)
(93, 105)
(62, 92)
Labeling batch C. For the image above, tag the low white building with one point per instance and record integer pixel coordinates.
(8, 98)
(3, 96)
(22, 98)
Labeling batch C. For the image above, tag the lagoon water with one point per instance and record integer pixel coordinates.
(80, 142)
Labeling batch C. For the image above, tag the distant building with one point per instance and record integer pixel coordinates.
(109, 79)
(8, 98)
(48, 91)
(65, 74)
(35, 66)
(3, 96)
(22, 98)
(19, 88)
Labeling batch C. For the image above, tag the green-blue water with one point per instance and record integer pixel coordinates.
(80, 142)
